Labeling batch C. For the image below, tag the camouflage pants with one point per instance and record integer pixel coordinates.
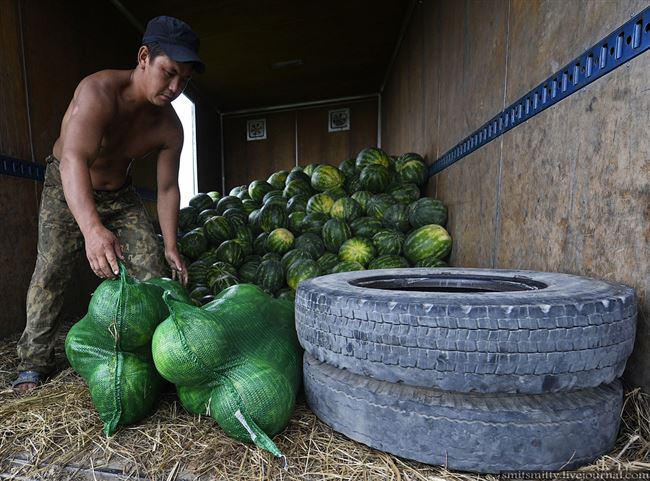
(60, 242)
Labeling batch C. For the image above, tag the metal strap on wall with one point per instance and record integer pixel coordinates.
(35, 171)
(622, 45)
(21, 168)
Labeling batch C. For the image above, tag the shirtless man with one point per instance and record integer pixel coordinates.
(114, 118)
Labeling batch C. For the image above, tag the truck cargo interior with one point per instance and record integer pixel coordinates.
(489, 156)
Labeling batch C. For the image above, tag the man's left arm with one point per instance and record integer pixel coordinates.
(169, 204)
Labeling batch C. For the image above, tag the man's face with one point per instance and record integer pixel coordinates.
(167, 79)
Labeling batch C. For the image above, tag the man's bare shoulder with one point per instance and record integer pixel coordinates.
(105, 85)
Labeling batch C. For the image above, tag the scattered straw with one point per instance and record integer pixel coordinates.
(56, 427)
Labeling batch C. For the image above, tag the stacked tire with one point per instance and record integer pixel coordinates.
(480, 370)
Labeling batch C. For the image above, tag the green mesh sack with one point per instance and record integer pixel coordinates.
(111, 349)
(236, 359)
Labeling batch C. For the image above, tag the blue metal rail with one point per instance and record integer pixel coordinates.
(619, 47)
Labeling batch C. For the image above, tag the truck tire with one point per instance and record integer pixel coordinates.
(470, 330)
(486, 433)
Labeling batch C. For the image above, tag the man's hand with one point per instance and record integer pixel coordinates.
(175, 261)
(102, 250)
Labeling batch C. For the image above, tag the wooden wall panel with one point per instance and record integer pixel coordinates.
(14, 127)
(245, 161)
(317, 145)
(569, 189)
(544, 35)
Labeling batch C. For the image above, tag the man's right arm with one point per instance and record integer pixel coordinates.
(81, 134)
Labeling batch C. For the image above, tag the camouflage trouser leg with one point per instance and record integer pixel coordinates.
(60, 242)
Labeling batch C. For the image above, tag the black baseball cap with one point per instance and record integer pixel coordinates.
(176, 39)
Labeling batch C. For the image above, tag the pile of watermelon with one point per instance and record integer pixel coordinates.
(367, 213)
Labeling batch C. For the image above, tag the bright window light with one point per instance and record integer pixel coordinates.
(187, 181)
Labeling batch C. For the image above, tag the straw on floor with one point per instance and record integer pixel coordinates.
(56, 426)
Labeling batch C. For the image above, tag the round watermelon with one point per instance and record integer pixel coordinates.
(228, 202)
(346, 209)
(218, 229)
(405, 193)
(248, 271)
(235, 191)
(326, 177)
(297, 203)
(388, 262)
(309, 169)
(292, 256)
(388, 242)
(194, 243)
(302, 270)
(258, 189)
(278, 179)
(427, 241)
(249, 205)
(377, 205)
(231, 252)
(396, 217)
(270, 275)
(365, 227)
(295, 221)
(201, 202)
(273, 216)
(236, 216)
(412, 169)
(280, 240)
(254, 221)
(297, 186)
(298, 174)
(362, 197)
(430, 262)
(357, 249)
(371, 156)
(327, 261)
(187, 218)
(205, 215)
(259, 244)
(313, 223)
(310, 243)
(374, 178)
(320, 203)
(352, 184)
(427, 211)
(335, 233)
(348, 167)
(347, 266)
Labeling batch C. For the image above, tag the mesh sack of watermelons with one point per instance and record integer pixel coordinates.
(110, 347)
(236, 359)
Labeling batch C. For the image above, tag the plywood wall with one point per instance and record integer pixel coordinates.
(567, 191)
(295, 137)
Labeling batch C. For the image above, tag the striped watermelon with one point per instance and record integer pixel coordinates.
(215, 196)
(295, 221)
(371, 156)
(236, 216)
(352, 184)
(258, 189)
(388, 262)
(298, 186)
(309, 169)
(396, 217)
(235, 191)
(278, 179)
(310, 243)
(301, 270)
(292, 256)
(280, 241)
(412, 169)
(205, 215)
(427, 241)
(273, 216)
(320, 204)
(297, 203)
(187, 218)
(427, 211)
(374, 178)
(388, 242)
(327, 261)
(254, 221)
(197, 273)
(405, 193)
(365, 227)
(336, 193)
(298, 174)
(377, 205)
(362, 197)
(273, 194)
(193, 244)
(220, 281)
(326, 177)
(218, 229)
(228, 202)
(348, 167)
(209, 256)
(346, 209)
(231, 252)
(259, 244)
(347, 266)
(250, 205)
(357, 249)
(313, 223)
(286, 294)
(430, 262)
(270, 275)
(248, 271)
(201, 202)
(335, 232)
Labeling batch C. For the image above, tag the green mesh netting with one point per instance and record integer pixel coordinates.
(111, 349)
(236, 359)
